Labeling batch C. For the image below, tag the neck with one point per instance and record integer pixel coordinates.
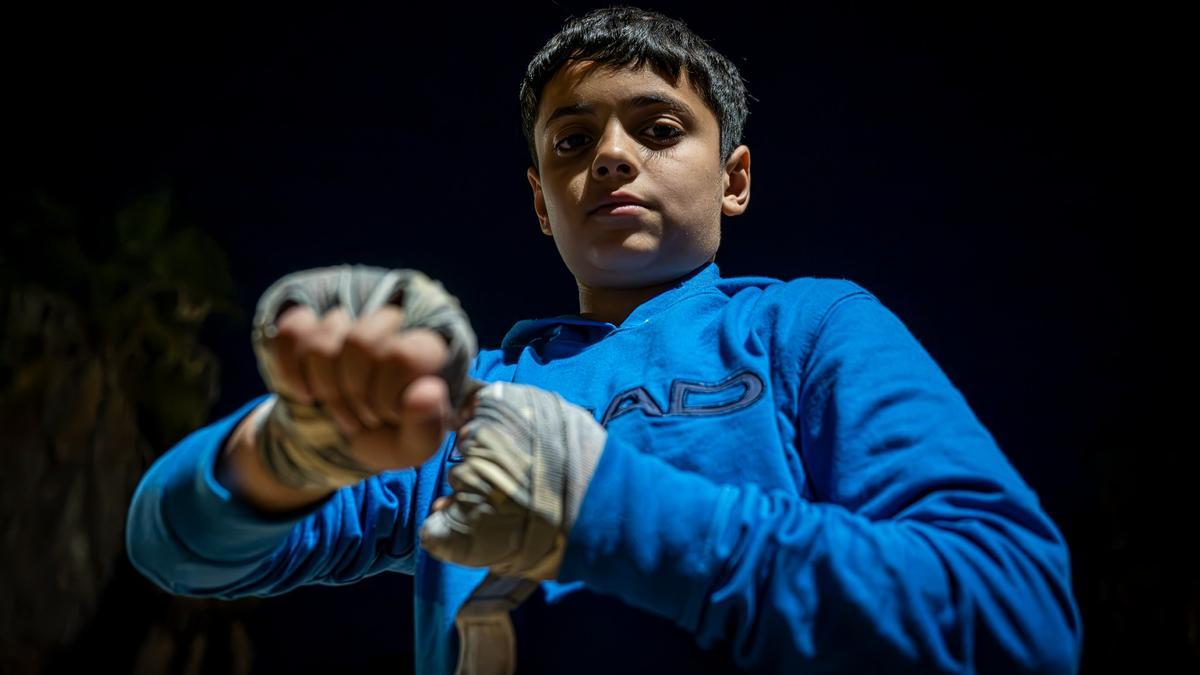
(614, 305)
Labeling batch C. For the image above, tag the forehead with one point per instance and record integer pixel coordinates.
(587, 85)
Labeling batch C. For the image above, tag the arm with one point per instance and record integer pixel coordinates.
(240, 469)
(191, 536)
(386, 345)
(926, 552)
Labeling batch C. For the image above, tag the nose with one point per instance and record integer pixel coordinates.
(615, 153)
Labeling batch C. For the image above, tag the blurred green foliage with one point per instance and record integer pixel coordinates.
(101, 369)
(137, 288)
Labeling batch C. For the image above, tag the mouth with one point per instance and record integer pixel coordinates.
(618, 203)
(619, 210)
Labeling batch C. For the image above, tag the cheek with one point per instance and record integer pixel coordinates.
(563, 198)
(700, 204)
(699, 195)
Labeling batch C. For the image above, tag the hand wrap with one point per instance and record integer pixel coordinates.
(528, 456)
(300, 444)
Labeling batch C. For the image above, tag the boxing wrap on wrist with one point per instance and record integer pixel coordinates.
(528, 456)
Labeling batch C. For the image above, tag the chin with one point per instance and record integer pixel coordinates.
(623, 260)
(634, 271)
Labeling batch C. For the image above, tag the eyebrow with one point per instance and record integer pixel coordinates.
(643, 100)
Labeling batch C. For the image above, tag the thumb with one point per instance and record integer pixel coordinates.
(445, 535)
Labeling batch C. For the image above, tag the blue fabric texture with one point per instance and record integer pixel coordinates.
(790, 484)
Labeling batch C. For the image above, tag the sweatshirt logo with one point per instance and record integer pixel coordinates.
(637, 398)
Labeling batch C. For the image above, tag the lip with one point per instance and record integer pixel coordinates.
(620, 211)
(618, 199)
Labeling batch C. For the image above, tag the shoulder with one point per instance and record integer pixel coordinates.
(767, 293)
(812, 293)
(793, 308)
(786, 316)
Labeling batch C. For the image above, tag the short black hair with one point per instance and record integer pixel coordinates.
(620, 35)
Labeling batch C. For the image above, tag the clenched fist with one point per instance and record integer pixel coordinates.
(369, 371)
(528, 457)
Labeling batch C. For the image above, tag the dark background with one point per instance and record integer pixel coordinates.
(978, 169)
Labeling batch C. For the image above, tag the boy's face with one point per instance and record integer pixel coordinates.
(667, 158)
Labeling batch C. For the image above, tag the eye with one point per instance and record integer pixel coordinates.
(676, 132)
(563, 141)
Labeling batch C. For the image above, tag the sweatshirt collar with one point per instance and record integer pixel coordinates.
(697, 281)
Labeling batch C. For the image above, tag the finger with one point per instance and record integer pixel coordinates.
(294, 325)
(495, 474)
(376, 449)
(415, 440)
(318, 357)
(406, 356)
(470, 531)
(357, 363)
(423, 410)
(450, 533)
(445, 538)
(440, 503)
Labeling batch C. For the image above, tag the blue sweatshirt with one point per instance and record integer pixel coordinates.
(790, 485)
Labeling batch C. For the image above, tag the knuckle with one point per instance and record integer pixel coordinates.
(296, 315)
(358, 341)
(326, 344)
(434, 340)
(391, 313)
(288, 333)
(401, 355)
(326, 350)
(412, 351)
(336, 316)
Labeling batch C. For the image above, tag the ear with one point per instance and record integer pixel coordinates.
(736, 179)
(539, 201)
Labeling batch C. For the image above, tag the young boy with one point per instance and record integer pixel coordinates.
(692, 474)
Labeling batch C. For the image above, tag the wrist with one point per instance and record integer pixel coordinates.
(301, 447)
(240, 470)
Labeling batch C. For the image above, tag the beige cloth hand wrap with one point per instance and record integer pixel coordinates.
(301, 444)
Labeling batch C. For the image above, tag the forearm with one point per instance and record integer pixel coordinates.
(793, 585)
(190, 534)
(240, 469)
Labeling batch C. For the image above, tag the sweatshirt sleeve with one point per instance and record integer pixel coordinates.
(921, 549)
(188, 534)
